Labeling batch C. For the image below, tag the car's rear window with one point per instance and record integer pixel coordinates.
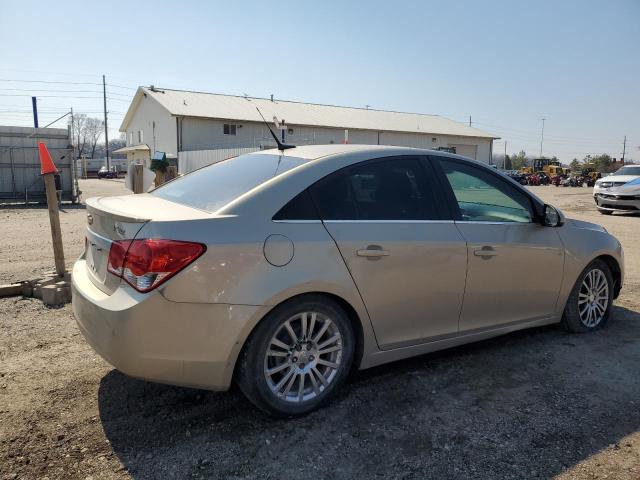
(212, 187)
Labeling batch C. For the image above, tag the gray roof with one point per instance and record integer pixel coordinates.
(231, 107)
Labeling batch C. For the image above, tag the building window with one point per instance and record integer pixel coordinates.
(140, 136)
(229, 129)
(130, 138)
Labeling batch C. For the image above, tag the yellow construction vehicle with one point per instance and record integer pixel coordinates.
(553, 170)
(550, 167)
(590, 174)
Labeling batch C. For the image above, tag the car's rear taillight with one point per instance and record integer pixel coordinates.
(146, 263)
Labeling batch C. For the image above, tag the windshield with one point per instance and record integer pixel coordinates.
(629, 170)
(214, 186)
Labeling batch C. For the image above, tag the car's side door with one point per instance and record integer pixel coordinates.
(515, 264)
(407, 261)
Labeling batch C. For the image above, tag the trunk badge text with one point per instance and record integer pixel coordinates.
(120, 230)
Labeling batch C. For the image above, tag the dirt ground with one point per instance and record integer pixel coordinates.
(25, 249)
(535, 404)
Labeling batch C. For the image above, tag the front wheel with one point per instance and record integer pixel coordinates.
(589, 303)
(297, 357)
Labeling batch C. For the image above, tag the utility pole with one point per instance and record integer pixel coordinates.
(74, 157)
(106, 127)
(624, 148)
(34, 106)
(504, 161)
(469, 120)
(542, 137)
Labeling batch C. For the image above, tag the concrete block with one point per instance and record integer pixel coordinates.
(54, 296)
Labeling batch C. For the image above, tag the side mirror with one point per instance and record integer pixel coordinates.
(552, 217)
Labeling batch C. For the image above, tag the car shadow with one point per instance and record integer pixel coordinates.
(529, 404)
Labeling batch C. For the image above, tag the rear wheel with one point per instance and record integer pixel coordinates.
(590, 300)
(297, 357)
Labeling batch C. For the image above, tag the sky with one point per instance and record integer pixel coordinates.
(507, 64)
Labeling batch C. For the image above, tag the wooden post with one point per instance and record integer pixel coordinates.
(48, 170)
(159, 178)
(137, 180)
(172, 172)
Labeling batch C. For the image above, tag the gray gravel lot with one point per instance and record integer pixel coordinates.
(534, 404)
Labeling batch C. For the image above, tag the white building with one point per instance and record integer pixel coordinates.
(200, 128)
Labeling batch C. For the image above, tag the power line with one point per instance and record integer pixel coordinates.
(50, 73)
(128, 95)
(57, 110)
(46, 81)
(65, 74)
(533, 134)
(41, 96)
(120, 86)
(532, 138)
(46, 90)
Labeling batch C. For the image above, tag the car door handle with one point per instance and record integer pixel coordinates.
(485, 252)
(372, 251)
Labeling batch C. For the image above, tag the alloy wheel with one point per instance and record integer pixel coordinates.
(593, 298)
(303, 357)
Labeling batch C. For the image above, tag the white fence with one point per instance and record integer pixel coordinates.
(194, 159)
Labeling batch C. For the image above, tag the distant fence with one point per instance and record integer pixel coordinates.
(192, 160)
(90, 166)
(20, 179)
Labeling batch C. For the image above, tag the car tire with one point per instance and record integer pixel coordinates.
(589, 304)
(605, 212)
(273, 362)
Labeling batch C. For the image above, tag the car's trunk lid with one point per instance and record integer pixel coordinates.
(120, 218)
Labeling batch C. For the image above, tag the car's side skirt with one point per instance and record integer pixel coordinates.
(385, 356)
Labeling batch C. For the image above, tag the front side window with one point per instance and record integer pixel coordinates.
(392, 189)
(483, 197)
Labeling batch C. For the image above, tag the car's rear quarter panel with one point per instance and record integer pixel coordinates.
(234, 270)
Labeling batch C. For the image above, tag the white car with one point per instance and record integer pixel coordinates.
(619, 192)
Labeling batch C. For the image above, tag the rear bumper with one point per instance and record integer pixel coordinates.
(149, 337)
(610, 202)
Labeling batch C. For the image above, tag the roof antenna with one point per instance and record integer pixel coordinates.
(281, 146)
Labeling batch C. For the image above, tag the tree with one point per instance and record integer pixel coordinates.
(575, 165)
(94, 128)
(114, 144)
(518, 161)
(507, 163)
(601, 163)
(86, 132)
(78, 133)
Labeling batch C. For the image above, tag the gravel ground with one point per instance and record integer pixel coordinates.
(534, 404)
(25, 250)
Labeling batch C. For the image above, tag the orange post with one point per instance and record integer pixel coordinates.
(48, 171)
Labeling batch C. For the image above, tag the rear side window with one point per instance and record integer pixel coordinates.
(390, 189)
(212, 187)
(300, 208)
